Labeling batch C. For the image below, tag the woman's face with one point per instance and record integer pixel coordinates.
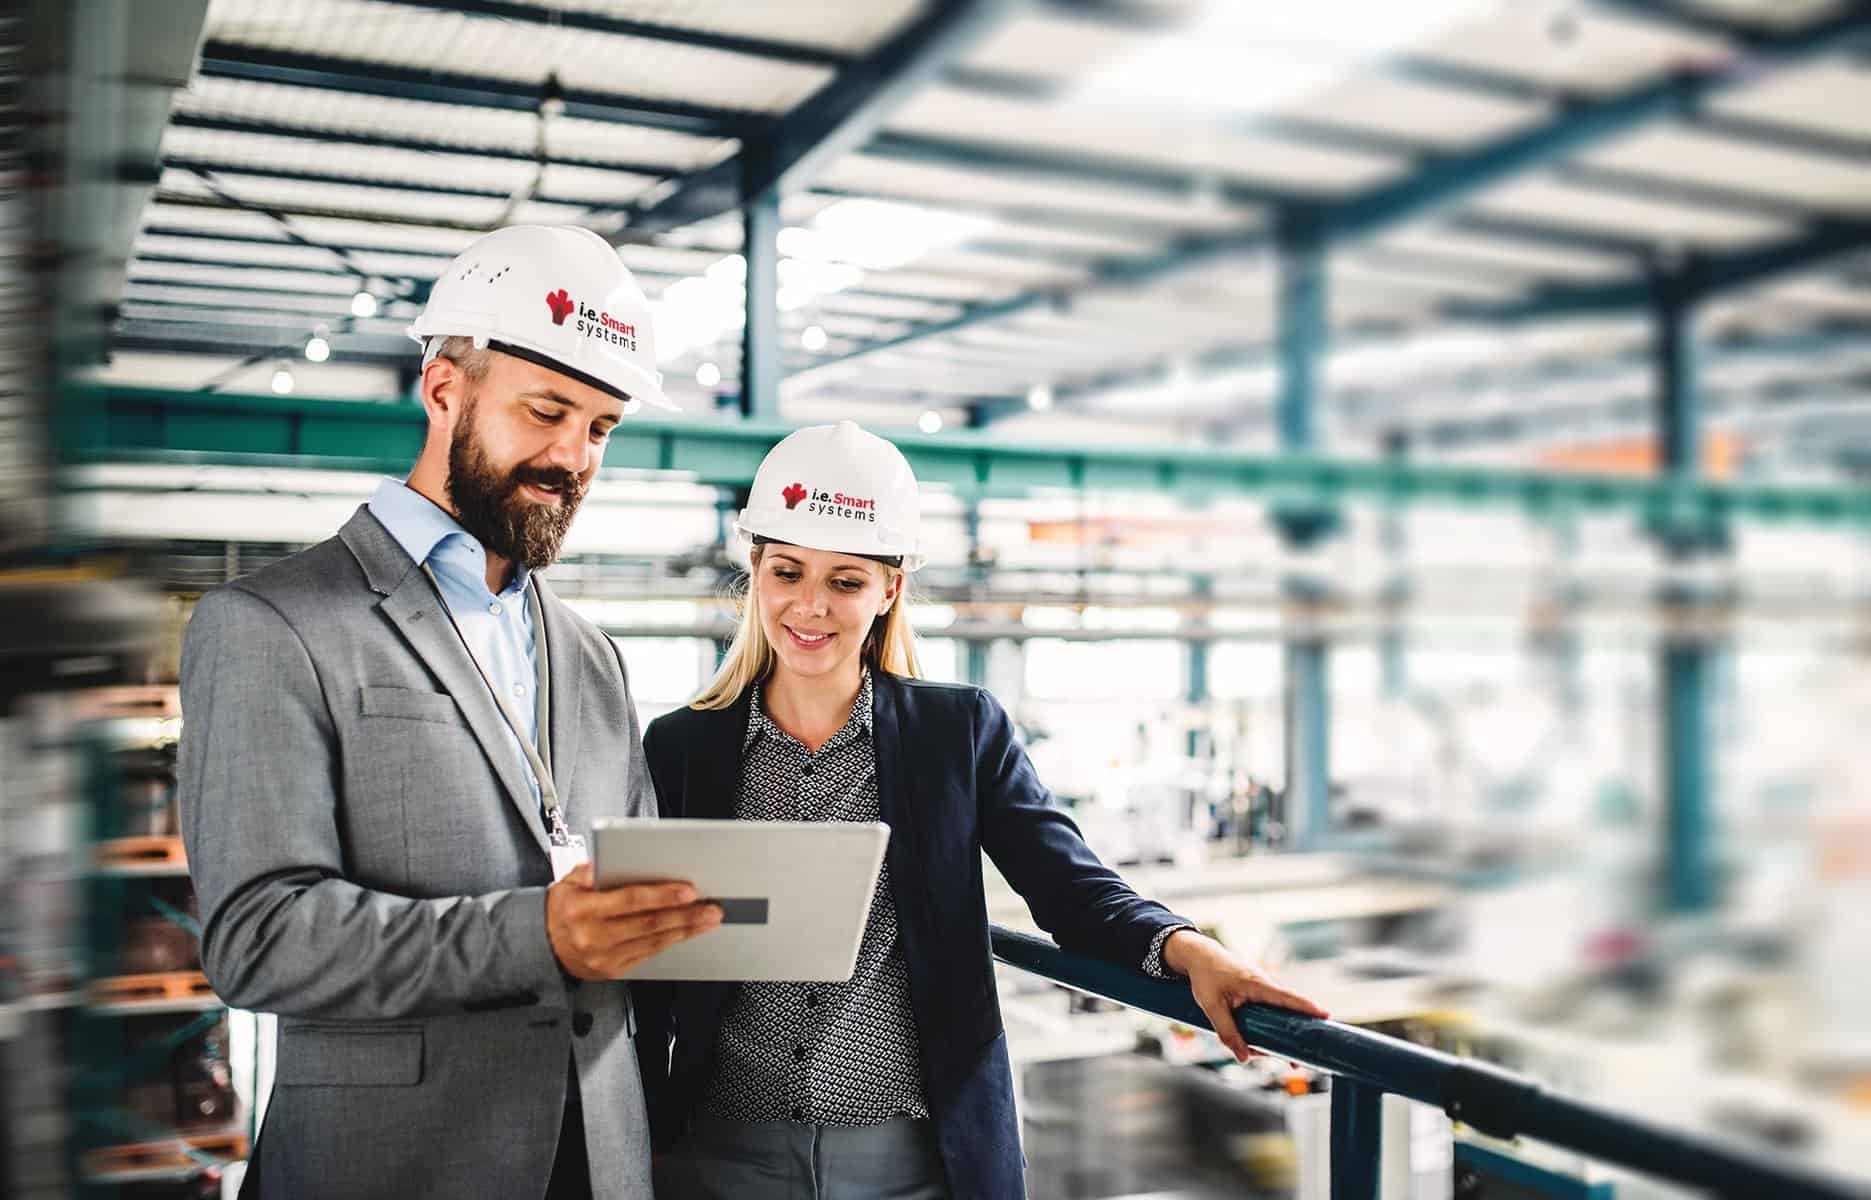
(817, 607)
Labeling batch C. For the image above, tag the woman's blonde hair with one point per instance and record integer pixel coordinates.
(890, 647)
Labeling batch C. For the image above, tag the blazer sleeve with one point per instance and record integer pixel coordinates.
(1083, 904)
(283, 930)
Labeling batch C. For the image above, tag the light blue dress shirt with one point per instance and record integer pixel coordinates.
(498, 628)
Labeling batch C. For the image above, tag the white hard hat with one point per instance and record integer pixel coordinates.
(555, 295)
(837, 488)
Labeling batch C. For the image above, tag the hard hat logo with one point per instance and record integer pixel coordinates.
(561, 305)
(604, 327)
(837, 504)
(794, 495)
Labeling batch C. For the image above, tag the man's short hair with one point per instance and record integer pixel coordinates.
(462, 352)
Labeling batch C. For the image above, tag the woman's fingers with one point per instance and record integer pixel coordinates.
(1265, 991)
(1221, 1019)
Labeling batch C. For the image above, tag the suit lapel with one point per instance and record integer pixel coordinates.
(412, 607)
(566, 658)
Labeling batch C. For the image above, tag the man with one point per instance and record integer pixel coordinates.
(390, 741)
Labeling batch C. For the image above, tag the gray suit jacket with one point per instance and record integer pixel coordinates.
(372, 867)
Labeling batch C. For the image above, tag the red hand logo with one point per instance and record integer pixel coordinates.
(794, 495)
(561, 305)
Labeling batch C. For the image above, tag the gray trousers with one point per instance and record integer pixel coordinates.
(786, 1160)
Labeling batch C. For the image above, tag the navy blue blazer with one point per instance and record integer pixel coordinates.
(952, 781)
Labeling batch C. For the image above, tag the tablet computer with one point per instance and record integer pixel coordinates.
(794, 895)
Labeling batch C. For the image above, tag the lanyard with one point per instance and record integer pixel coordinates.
(536, 755)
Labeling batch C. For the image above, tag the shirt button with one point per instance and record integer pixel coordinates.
(581, 1024)
(812, 999)
(799, 1112)
(799, 1054)
(519, 690)
(494, 608)
(806, 770)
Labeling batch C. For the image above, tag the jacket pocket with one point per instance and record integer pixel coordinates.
(410, 705)
(332, 1056)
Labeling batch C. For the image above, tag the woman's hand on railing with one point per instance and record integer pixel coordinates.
(1222, 983)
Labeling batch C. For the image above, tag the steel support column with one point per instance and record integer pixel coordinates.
(975, 649)
(976, 666)
(1357, 1139)
(1679, 423)
(1684, 694)
(1308, 749)
(1686, 671)
(1393, 535)
(1202, 588)
(760, 337)
(1302, 335)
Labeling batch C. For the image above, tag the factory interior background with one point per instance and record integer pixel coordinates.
(1403, 466)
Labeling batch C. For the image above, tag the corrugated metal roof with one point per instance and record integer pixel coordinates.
(1103, 241)
(366, 32)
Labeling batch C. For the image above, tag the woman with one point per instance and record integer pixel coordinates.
(895, 1083)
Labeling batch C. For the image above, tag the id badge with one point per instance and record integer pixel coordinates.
(565, 858)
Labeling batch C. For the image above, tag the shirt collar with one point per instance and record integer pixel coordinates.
(863, 714)
(428, 534)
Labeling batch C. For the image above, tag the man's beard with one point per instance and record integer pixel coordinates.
(487, 505)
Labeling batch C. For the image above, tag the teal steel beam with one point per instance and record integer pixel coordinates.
(377, 140)
(1701, 276)
(1708, 20)
(1452, 179)
(1184, 252)
(836, 120)
(760, 335)
(1047, 165)
(221, 59)
(142, 288)
(553, 17)
(335, 271)
(1303, 129)
(1839, 147)
(288, 175)
(1735, 197)
(186, 200)
(134, 424)
(178, 338)
(1637, 249)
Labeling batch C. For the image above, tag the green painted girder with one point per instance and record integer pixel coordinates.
(105, 424)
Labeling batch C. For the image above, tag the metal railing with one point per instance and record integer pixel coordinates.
(1366, 1066)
